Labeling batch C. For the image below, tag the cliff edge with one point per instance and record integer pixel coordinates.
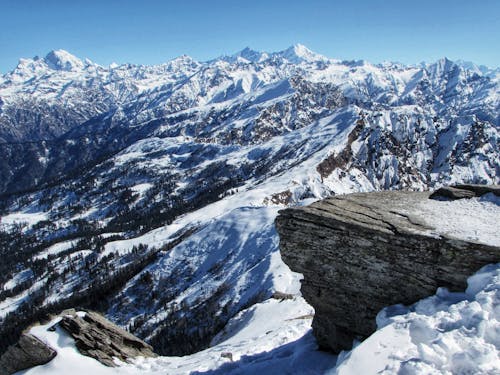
(361, 252)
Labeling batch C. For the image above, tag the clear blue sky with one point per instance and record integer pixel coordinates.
(153, 31)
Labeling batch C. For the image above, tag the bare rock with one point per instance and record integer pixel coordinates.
(28, 352)
(452, 193)
(98, 338)
(282, 296)
(361, 252)
(480, 190)
(462, 191)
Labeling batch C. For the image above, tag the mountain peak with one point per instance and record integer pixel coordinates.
(63, 60)
(479, 69)
(441, 67)
(301, 50)
(248, 54)
(299, 53)
(181, 63)
(183, 58)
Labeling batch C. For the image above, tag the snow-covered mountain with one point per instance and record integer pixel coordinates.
(149, 192)
(56, 107)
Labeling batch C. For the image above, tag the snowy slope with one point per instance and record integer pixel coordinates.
(176, 176)
(449, 333)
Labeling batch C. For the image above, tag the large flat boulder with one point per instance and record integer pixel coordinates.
(28, 352)
(361, 252)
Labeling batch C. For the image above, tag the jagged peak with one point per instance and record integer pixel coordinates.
(63, 60)
(476, 68)
(443, 63)
(300, 49)
(299, 53)
(296, 54)
(247, 54)
(181, 63)
(252, 55)
(440, 67)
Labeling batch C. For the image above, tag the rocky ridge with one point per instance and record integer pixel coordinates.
(94, 336)
(59, 106)
(361, 252)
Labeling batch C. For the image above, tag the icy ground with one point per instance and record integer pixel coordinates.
(449, 333)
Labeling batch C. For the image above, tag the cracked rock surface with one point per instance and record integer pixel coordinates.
(361, 252)
(98, 338)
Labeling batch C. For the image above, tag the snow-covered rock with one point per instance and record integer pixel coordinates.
(63, 60)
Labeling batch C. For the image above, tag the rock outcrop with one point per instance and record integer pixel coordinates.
(28, 352)
(361, 252)
(98, 338)
(94, 336)
(462, 191)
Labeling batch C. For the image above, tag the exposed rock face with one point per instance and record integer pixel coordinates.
(98, 338)
(28, 352)
(361, 252)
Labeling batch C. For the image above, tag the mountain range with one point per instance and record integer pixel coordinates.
(149, 192)
(56, 107)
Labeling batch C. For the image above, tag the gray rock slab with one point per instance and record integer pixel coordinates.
(97, 337)
(361, 252)
(28, 352)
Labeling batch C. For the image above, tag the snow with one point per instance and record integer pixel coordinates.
(474, 219)
(68, 359)
(449, 333)
(23, 218)
(237, 250)
(63, 60)
(272, 336)
(18, 278)
(299, 53)
(267, 337)
(12, 303)
(56, 249)
(141, 188)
